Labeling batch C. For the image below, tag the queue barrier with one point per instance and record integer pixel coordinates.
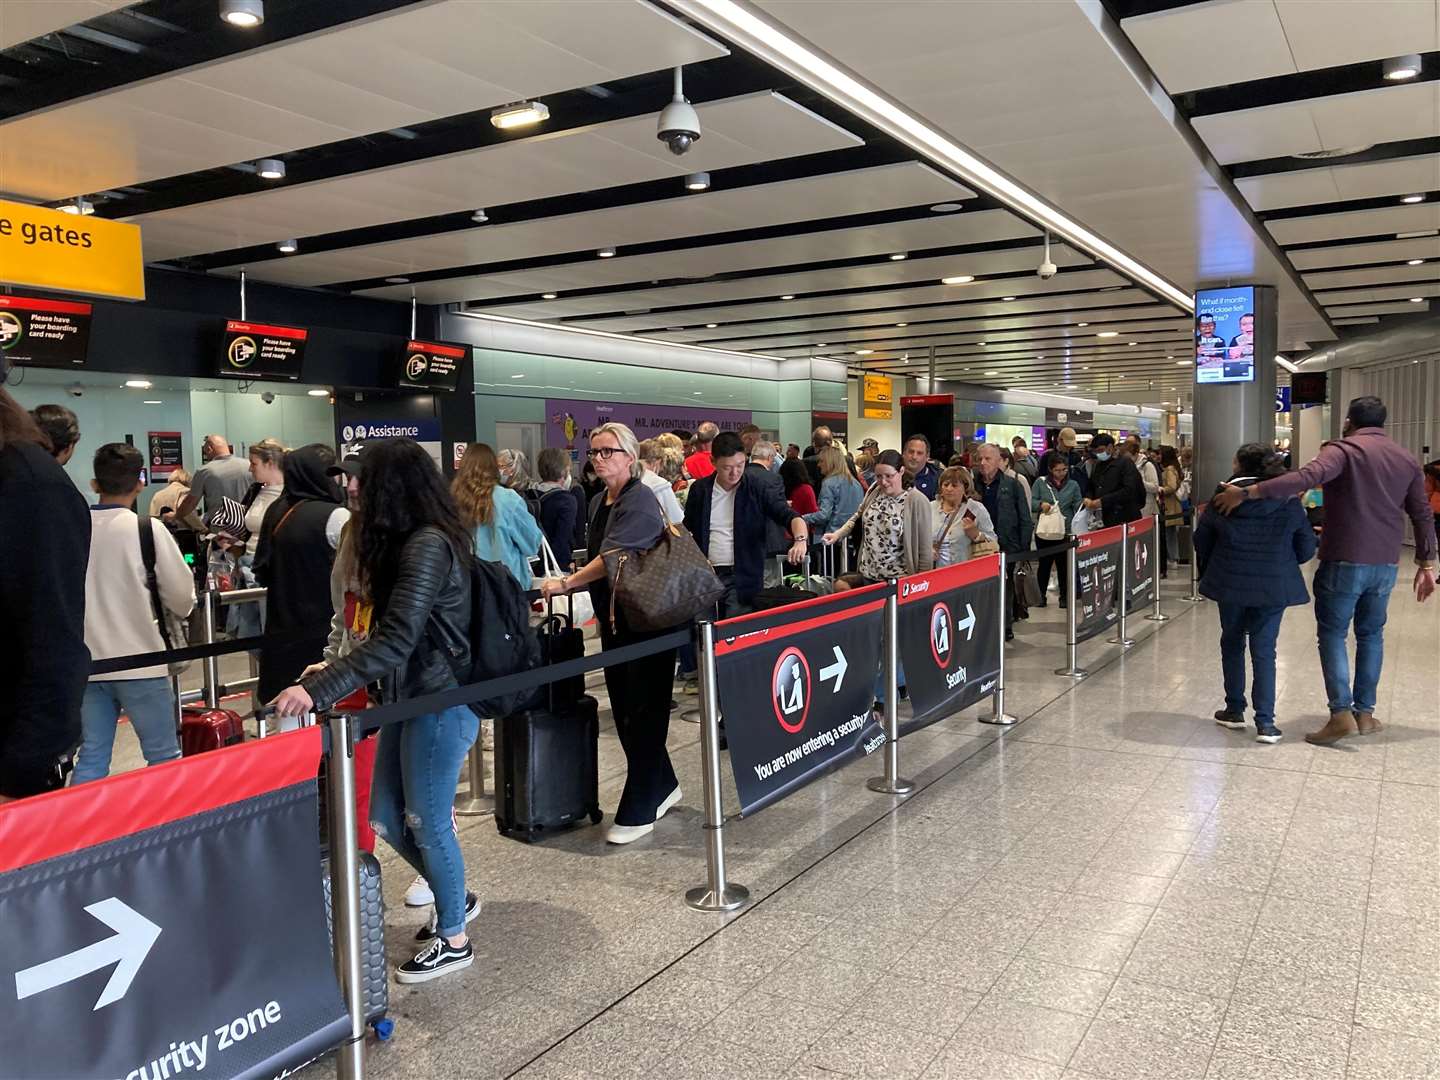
(1107, 571)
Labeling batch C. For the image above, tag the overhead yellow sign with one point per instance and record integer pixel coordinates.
(46, 249)
(877, 399)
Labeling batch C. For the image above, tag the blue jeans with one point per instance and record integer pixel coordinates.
(416, 767)
(149, 703)
(1346, 591)
(1261, 625)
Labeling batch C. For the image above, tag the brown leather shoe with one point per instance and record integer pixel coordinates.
(1341, 726)
(1366, 724)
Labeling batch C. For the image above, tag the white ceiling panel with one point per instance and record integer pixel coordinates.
(419, 63)
(1380, 294)
(1358, 321)
(25, 20)
(1424, 247)
(738, 131)
(1402, 308)
(1385, 219)
(879, 188)
(942, 230)
(1323, 33)
(1388, 114)
(1036, 330)
(1372, 275)
(1339, 183)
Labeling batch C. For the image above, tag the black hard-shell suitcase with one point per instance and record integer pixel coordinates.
(561, 640)
(547, 774)
(372, 942)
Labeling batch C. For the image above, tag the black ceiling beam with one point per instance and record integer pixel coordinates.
(1300, 86)
(1380, 152)
(737, 342)
(1379, 202)
(1347, 241)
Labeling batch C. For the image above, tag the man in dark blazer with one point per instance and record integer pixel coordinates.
(1010, 511)
(726, 513)
(1116, 489)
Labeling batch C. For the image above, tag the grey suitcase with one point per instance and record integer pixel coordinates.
(372, 943)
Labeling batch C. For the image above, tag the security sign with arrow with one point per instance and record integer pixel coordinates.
(950, 662)
(835, 671)
(127, 948)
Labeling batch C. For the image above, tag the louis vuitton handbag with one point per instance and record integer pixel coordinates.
(667, 586)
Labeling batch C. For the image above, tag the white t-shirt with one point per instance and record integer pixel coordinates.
(669, 505)
(722, 525)
(255, 516)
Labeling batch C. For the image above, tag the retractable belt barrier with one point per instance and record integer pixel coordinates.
(1112, 573)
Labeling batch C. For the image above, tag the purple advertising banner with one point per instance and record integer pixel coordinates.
(568, 423)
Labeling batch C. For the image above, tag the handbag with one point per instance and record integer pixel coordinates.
(1026, 587)
(982, 547)
(1051, 525)
(170, 625)
(582, 608)
(667, 585)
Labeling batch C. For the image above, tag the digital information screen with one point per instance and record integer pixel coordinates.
(1225, 335)
(430, 365)
(258, 351)
(44, 333)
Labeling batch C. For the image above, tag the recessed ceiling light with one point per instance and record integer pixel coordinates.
(318, 393)
(153, 402)
(711, 325)
(1007, 299)
(1414, 262)
(697, 181)
(397, 280)
(1082, 324)
(1410, 199)
(1119, 376)
(1183, 363)
(1085, 367)
(946, 208)
(674, 329)
(788, 296)
(1108, 333)
(1417, 299)
(992, 373)
(288, 247)
(244, 14)
(1134, 343)
(270, 169)
(1400, 68)
(821, 344)
(900, 324)
(78, 207)
(138, 384)
(548, 295)
(480, 217)
(517, 376)
(958, 279)
(863, 352)
(695, 392)
(606, 253)
(982, 344)
(899, 256)
(519, 114)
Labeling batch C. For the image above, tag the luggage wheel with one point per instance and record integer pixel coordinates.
(596, 816)
(384, 1028)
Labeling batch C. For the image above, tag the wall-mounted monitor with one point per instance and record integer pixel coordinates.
(261, 351)
(44, 333)
(1225, 335)
(1308, 388)
(431, 365)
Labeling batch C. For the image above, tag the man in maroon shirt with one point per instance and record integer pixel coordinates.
(1371, 485)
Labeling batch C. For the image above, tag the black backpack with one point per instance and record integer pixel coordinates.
(501, 639)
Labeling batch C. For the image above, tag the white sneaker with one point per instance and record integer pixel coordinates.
(419, 894)
(670, 802)
(626, 834)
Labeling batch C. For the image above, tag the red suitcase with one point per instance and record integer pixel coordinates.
(203, 728)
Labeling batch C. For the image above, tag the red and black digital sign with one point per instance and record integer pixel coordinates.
(44, 333)
(432, 365)
(260, 351)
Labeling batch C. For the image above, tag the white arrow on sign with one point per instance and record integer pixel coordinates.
(967, 623)
(836, 670)
(126, 949)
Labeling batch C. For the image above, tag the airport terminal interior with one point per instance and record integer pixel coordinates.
(1063, 776)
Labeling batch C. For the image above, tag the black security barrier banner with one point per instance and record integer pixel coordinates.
(1142, 549)
(1097, 590)
(950, 638)
(169, 922)
(796, 686)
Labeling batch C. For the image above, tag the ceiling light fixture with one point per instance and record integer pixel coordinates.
(1134, 343)
(992, 373)
(548, 295)
(697, 181)
(1007, 299)
(863, 352)
(1410, 200)
(137, 384)
(750, 30)
(317, 393)
(982, 344)
(899, 256)
(480, 217)
(958, 279)
(1400, 68)
(519, 114)
(244, 14)
(270, 169)
(397, 281)
(788, 296)
(1183, 363)
(820, 344)
(1417, 299)
(154, 402)
(1082, 324)
(288, 247)
(711, 325)
(946, 208)
(1414, 262)
(606, 253)
(517, 376)
(1108, 333)
(79, 207)
(898, 325)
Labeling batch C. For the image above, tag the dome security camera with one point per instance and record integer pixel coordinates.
(268, 397)
(74, 389)
(679, 124)
(1047, 269)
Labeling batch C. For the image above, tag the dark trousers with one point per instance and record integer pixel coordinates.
(1060, 563)
(640, 701)
(1260, 626)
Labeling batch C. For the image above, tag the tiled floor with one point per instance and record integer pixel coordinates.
(1116, 887)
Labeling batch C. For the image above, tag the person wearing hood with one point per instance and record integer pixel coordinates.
(1250, 565)
(293, 559)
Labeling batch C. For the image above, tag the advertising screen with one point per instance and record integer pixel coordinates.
(431, 365)
(1225, 335)
(257, 351)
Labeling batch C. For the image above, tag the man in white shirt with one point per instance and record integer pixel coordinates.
(120, 619)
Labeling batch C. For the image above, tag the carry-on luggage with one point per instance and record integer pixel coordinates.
(560, 640)
(203, 728)
(547, 774)
(375, 989)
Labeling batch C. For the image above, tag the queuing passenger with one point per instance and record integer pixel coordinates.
(267, 468)
(1010, 511)
(764, 467)
(960, 520)
(657, 460)
(627, 518)
(62, 427)
(504, 529)
(1250, 566)
(1116, 489)
(222, 476)
(1432, 489)
(1065, 447)
(799, 492)
(699, 464)
(293, 557)
(1055, 489)
(840, 493)
(750, 434)
(923, 473)
(590, 484)
(412, 565)
(865, 467)
(166, 501)
(1007, 460)
(1172, 482)
(558, 507)
(1025, 462)
(792, 450)
(765, 457)
(514, 469)
(726, 514)
(1371, 485)
(820, 438)
(120, 618)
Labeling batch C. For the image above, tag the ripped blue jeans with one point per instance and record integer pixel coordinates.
(417, 765)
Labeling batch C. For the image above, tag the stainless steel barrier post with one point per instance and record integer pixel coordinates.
(212, 663)
(716, 894)
(476, 803)
(1000, 717)
(892, 783)
(1121, 638)
(1156, 615)
(1072, 668)
(1194, 596)
(345, 892)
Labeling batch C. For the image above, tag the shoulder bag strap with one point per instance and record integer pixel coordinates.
(286, 517)
(152, 586)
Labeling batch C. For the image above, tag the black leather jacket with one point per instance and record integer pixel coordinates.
(427, 617)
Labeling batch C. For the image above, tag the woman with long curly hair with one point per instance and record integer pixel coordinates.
(505, 530)
(412, 573)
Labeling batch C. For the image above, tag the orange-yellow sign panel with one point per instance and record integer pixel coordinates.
(46, 249)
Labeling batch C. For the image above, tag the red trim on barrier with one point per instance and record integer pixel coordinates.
(924, 586)
(1100, 538)
(60, 822)
(1139, 528)
(722, 628)
(294, 333)
(762, 635)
